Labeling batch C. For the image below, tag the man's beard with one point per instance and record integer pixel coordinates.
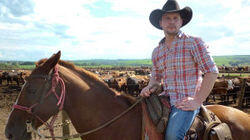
(172, 33)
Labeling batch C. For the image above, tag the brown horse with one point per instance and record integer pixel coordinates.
(89, 103)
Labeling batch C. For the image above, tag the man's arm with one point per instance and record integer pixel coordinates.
(205, 63)
(156, 76)
(192, 103)
(206, 86)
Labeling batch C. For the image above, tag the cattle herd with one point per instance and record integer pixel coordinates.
(12, 76)
(12, 79)
(231, 69)
(127, 80)
(131, 80)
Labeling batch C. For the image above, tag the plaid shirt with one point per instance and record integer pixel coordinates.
(181, 66)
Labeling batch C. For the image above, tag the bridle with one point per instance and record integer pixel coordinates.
(55, 80)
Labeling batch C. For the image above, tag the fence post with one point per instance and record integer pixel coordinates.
(242, 93)
(65, 130)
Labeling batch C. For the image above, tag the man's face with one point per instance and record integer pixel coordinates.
(171, 23)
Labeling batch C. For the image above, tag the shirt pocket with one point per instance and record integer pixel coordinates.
(180, 59)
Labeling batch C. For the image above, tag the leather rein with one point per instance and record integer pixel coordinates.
(56, 79)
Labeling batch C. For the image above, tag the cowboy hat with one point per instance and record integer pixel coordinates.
(171, 6)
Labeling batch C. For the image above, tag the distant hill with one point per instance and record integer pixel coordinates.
(117, 62)
(234, 60)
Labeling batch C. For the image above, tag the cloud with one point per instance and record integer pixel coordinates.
(230, 46)
(31, 35)
(17, 8)
(222, 24)
(23, 27)
(58, 29)
(111, 29)
(103, 9)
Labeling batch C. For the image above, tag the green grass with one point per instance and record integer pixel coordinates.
(26, 67)
(114, 63)
(235, 60)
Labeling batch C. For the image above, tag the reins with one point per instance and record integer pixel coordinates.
(31, 129)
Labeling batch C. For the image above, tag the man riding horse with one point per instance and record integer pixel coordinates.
(178, 63)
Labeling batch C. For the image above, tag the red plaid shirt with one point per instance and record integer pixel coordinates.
(181, 66)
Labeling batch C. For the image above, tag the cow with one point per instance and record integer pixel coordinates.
(221, 88)
(136, 83)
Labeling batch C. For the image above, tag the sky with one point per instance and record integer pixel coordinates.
(113, 29)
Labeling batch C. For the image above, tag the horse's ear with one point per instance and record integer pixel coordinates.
(51, 62)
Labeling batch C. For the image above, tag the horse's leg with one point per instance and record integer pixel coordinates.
(17, 81)
(222, 98)
(8, 81)
(234, 97)
(227, 98)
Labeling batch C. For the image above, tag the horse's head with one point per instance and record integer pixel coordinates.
(36, 102)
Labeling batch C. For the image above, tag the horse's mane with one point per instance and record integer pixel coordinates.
(72, 67)
(82, 71)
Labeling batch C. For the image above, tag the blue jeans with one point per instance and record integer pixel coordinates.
(179, 123)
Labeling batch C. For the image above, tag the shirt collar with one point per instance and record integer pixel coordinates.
(179, 35)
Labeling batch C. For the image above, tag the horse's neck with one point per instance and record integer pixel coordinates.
(90, 103)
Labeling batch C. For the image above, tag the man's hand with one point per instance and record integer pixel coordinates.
(188, 104)
(192, 103)
(148, 90)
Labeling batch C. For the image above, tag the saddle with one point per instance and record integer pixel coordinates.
(214, 128)
(158, 109)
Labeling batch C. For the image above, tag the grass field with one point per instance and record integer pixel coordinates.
(235, 60)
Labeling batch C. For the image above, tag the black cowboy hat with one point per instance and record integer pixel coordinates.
(171, 6)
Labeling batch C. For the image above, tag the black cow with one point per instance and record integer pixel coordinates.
(133, 86)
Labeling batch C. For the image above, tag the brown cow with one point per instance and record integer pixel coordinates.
(122, 83)
(221, 87)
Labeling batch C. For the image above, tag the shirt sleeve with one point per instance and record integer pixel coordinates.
(202, 57)
(156, 72)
